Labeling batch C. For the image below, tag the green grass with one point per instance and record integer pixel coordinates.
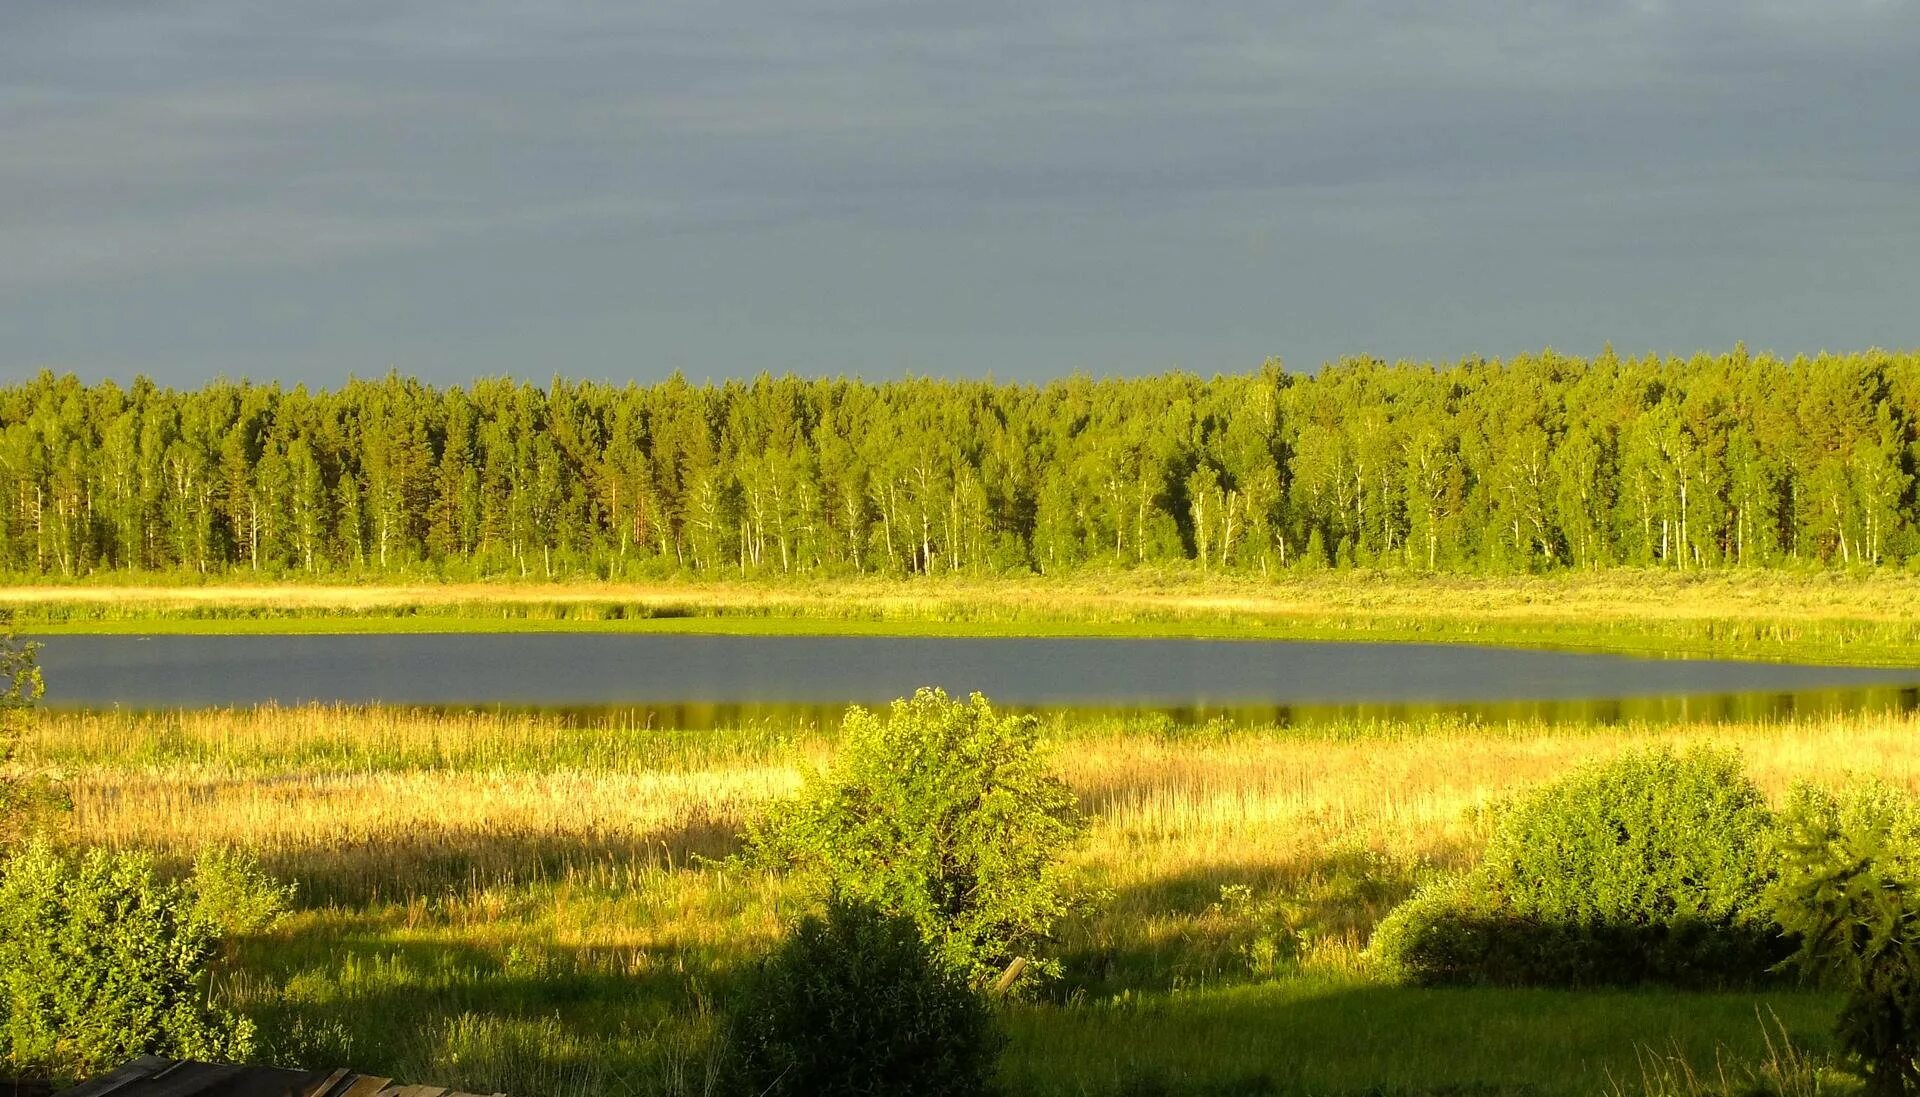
(535, 903)
(1328, 1036)
(529, 1020)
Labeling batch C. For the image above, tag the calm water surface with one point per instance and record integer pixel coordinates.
(728, 677)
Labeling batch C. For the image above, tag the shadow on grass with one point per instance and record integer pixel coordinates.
(1226, 924)
(437, 861)
(1491, 949)
(1322, 1037)
(556, 1019)
(534, 1017)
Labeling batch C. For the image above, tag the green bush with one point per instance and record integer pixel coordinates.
(1652, 867)
(943, 812)
(232, 894)
(855, 1002)
(102, 961)
(1849, 889)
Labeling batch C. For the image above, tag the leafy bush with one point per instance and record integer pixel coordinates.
(855, 1002)
(1648, 868)
(233, 895)
(1850, 890)
(942, 812)
(101, 961)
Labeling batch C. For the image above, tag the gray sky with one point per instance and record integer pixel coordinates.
(306, 190)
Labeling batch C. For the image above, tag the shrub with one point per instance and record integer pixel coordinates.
(1849, 889)
(233, 895)
(1648, 868)
(101, 961)
(856, 1002)
(942, 812)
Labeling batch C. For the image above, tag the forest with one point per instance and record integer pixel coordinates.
(1536, 463)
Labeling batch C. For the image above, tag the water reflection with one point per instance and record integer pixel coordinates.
(1692, 708)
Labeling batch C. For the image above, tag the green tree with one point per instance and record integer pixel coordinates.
(1849, 891)
(1539, 461)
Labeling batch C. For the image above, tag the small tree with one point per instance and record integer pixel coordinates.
(942, 811)
(1850, 890)
(855, 1003)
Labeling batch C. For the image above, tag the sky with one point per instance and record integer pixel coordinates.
(306, 191)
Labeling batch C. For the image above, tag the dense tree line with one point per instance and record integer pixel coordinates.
(1539, 462)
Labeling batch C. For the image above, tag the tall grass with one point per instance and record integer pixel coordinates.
(538, 901)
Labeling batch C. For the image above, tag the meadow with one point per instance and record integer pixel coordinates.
(1859, 618)
(541, 904)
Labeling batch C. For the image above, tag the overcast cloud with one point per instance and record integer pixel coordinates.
(306, 190)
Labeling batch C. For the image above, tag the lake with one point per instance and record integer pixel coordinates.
(696, 680)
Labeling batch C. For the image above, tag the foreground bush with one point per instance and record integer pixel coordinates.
(1850, 890)
(102, 961)
(1648, 868)
(942, 812)
(855, 1002)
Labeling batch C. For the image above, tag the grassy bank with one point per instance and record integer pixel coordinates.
(532, 904)
(1865, 619)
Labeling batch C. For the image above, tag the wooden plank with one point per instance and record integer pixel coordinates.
(187, 1078)
(137, 1071)
(324, 1087)
(152, 1076)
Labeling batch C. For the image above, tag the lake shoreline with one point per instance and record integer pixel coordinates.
(1868, 619)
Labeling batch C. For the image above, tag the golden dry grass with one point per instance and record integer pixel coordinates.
(1411, 787)
(360, 800)
(1618, 595)
(275, 776)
